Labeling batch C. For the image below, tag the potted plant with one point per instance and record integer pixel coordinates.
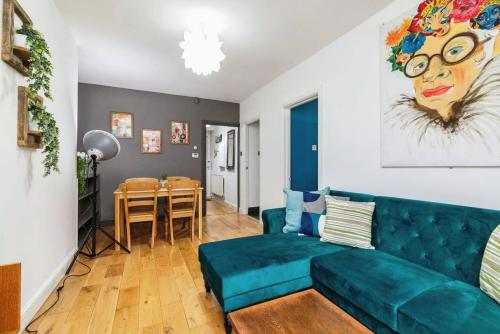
(82, 160)
(163, 180)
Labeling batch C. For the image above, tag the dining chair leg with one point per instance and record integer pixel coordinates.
(192, 229)
(129, 242)
(153, 232)
(171, 231)
(166, 227)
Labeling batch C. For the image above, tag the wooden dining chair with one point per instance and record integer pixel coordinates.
(182, 200)
(177, 178)
(139, 210)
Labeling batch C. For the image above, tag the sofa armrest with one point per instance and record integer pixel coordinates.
(273, 220)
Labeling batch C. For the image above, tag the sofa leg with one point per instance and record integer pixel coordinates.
(227, 324)
(207, 287)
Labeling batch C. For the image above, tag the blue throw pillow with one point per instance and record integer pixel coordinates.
(310, 224)
(314, 208)
(295, 207)
(314, 202)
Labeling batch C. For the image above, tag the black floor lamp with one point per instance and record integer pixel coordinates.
(100, 146)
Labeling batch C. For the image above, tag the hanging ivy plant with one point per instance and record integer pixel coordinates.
(40, 73)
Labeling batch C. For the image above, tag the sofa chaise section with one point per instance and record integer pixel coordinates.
(246, 271)
(249, 270)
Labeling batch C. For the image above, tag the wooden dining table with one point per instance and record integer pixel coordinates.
(163, 192)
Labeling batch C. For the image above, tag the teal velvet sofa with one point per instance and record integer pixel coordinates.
(422, 277)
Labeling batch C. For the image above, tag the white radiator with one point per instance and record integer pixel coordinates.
(218, 185)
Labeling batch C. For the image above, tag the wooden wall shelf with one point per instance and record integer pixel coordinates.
(14, 55)
(26, 137)
(23, 54)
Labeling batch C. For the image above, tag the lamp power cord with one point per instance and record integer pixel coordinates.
(58, 295)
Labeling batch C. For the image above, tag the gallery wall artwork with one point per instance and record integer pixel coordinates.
(151, 141)
(179, 132)
(440, 85)
(122, 124)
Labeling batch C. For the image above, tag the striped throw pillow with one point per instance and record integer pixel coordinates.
(348, 223)
(489, 277)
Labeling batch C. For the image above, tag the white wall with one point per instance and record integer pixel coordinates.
(38, 216)
(230, 175)
(345, 74)
(253, 170)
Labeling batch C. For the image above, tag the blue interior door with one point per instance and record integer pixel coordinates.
(304, 146)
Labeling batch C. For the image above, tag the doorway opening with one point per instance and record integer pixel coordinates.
(253, 169)
(220, 167)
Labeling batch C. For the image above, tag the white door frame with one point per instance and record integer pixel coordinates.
(244, 130)
(208, 149)
(287, 107)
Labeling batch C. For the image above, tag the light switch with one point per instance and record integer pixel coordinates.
(315, 148)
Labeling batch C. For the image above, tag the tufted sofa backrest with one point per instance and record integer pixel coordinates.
(356, 197)
(446, 238)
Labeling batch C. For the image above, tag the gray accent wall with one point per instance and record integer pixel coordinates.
(151, 111)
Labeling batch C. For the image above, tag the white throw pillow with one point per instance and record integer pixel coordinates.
(348, 223)
(321, 225)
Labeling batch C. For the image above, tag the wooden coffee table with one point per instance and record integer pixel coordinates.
(302, 312)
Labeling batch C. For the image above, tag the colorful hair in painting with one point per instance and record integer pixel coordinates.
(434, 18)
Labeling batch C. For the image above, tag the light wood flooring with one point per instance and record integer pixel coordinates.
(217, 207)
(156, 290)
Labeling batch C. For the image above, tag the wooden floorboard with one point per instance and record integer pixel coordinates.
(156, 290)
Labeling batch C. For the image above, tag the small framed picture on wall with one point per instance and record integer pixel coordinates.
(122, 124)
(179, 132)
(151, 141)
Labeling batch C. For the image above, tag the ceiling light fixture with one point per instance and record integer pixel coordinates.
(202, 49)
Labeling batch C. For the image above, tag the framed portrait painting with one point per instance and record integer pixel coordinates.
(122, 124)
(440, 97)
(151, 141)
(179, 132)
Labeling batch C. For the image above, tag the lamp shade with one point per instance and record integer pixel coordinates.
(102, 144)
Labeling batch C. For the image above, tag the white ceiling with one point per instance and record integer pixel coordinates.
(135, 44)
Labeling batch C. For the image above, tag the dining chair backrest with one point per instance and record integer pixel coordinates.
(183, 191)
(138, 186)
(140, 197)
(177, 178)
(138, 180)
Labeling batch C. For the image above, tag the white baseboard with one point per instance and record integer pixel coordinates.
(33, 305)
(231, 205)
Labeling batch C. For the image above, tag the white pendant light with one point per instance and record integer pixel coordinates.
(202, 50)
